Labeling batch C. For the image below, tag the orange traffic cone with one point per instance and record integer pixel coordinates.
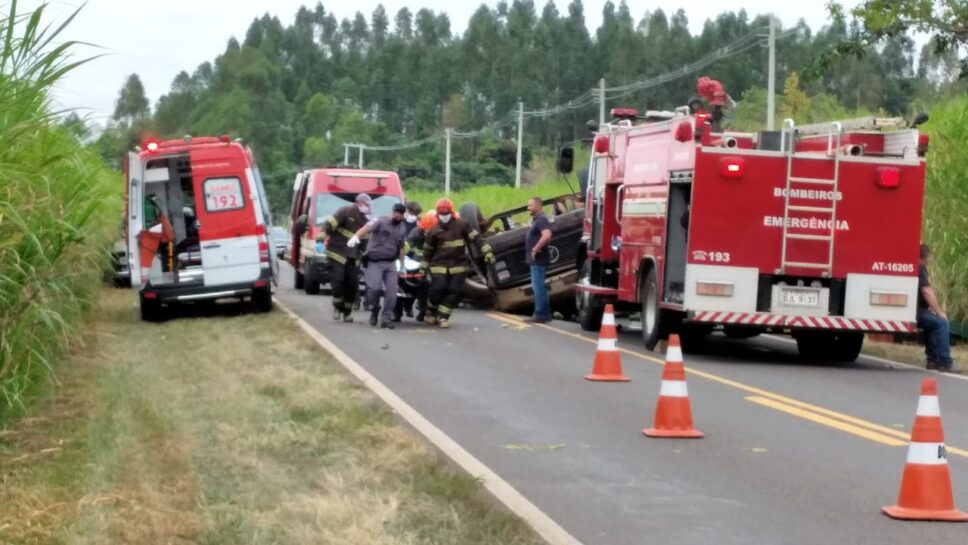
(673, 415)
(608, 361)
(926, 483)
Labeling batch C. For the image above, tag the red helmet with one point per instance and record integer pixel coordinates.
(444, 206)
(428, 220)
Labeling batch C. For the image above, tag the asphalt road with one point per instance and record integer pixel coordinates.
(793, 453)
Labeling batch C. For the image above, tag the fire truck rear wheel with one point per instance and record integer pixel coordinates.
(653, 319)
(829, 347)
(311, 283)
(588, 308)
(299, 281)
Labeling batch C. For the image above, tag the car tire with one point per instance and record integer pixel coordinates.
(262, 300)
(471, 214)
(588, 307)
(298, 280)
(829, 347)
(310, 283)
(151, 310)
(653, 318)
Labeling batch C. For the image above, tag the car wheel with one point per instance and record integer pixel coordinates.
(588, 307)
(471, 214)
(311, 283)
(653, 319)
(262, 300)
(829, 347)
(299, 280)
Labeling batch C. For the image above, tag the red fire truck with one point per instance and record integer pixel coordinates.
(812, 232)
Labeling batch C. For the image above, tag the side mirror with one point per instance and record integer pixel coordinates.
(566, 160)
(921, 119)
(302, 223)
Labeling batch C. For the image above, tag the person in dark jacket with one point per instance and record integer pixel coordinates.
(343, 257)
(387, 239)
(445, 256)
(932, 319)
(412, 215)
(415, 243)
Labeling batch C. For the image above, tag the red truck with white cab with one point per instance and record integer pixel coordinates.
(318, 194)
(812, 232)
(197, 224)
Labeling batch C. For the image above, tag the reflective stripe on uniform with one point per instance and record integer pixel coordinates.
(443, 309)
(418, 252)
(424, 264)
(486, 248)
(346, 232)
(446, 270)
(473, 234)
(459, 243)
(335, 257)
(332, 222)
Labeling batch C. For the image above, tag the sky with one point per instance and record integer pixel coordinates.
(158, 39)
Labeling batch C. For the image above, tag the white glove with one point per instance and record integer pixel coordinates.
(353, 242)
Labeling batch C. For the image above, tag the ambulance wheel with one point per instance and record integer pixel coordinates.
(588, 308)
(829, 347)
(299, 281)
(653, 318)
(151, 310)
(311, 283)
(262, 300)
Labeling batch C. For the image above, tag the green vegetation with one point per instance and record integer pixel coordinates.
(59, 210)
(225, 430)
(493, 198)
(946, 204)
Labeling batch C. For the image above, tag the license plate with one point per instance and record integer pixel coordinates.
(801, 298)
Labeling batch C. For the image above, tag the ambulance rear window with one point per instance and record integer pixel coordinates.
(223, 194)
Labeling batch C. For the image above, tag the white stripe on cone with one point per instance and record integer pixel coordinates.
(673, 388)
(927, 454)
(674, 353)
(606, 345)
(928, 406)
(608, 319)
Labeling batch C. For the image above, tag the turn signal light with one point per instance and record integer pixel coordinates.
(888, 299)
(601, 144)
(732, 167)
(888, 178)
(923, 140)
(715, 289)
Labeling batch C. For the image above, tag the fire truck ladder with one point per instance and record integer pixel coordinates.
(788, 145)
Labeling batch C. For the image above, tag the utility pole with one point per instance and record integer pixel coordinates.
(771, 79)
(362, 146)
(346, 154)
(517, 172)
(601, 102)
(447, 164)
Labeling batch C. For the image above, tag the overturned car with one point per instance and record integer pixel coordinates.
(506, 285)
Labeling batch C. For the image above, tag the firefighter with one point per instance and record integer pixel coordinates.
(445, 256)
(415, 242)
(343, 258)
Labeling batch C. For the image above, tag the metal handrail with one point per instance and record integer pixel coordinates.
(619, 193)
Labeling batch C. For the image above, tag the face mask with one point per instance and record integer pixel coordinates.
(363, 208)
(410, 218)
(444, 218)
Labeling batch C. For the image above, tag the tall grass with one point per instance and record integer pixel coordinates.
(494, 198)
(59, 209)
(946, 204)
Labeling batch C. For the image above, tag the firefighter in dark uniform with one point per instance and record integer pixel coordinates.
(415, 241)
(340, 229)
(445, 256)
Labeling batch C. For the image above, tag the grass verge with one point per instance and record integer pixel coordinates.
(225, 430)
(911, 353)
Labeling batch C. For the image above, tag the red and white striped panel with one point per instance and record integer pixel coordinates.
(815, 322)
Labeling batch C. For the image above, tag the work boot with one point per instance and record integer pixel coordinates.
(444, 323)
(397, 318)
(387, 325)
(348, 318)
(420, 317)
(431, 319)
(409, 312)
(337, 314)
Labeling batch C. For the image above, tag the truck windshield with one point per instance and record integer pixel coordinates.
(328, 203)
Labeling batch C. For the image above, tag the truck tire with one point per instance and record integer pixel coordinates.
(151, 310)
(299, 280)
(310, 283)
(588, 307)
(471, 214)
(262, 300)
(829, 347)
(653, 319)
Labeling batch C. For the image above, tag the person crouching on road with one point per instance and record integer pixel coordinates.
(932, 319)
(446, 257)
(343, 259)
(536, 244)
(387, 239)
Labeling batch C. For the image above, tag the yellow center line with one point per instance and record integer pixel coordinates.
(508, 320)
(883, 434)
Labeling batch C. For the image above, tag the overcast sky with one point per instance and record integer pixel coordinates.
(158, 39)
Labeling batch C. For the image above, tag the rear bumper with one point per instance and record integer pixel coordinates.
(780, 322)
(184, 294)
(560, 286)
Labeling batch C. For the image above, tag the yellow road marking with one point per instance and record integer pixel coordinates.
(813, 417)
(518, 324)
(818, 414)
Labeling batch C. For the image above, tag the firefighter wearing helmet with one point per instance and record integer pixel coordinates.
(343, 255)
(445, 256)
(415, 241)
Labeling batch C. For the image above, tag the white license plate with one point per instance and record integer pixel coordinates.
(801, 298)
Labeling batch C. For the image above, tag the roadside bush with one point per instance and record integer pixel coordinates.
(60, 208)
(946, 205)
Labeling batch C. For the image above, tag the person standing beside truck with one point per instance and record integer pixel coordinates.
(932, 319)
(387, 240)
(446, 257)
(343, 258)
(539, 258)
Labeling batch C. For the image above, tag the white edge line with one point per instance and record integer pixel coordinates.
(876, 358)
(544, 525)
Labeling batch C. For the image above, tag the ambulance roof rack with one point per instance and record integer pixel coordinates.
(869, 123)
